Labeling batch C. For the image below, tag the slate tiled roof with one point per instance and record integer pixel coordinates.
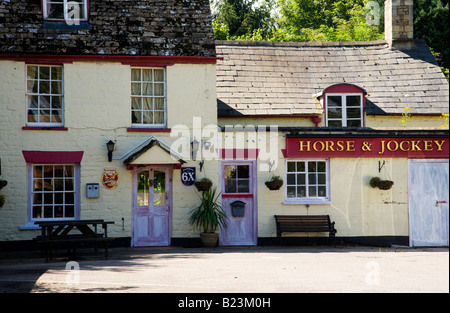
(266, 78)
(115, 27)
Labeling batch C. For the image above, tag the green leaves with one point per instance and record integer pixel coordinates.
(242, 17)
(326, 20)
(431, 20)
(295, 20)
(208, 215)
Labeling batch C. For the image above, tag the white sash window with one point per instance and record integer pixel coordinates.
(148, 97)
(65, 10)
(344, 110)
(45, 95)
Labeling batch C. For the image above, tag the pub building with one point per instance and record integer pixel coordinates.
(114, 115)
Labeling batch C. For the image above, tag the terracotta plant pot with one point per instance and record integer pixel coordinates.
(209, 240)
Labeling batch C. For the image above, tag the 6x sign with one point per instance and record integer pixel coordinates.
(188, 176)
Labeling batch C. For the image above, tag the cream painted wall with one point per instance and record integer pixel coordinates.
(357, 208)
(415, 122)
(97, 109)
(371, 121)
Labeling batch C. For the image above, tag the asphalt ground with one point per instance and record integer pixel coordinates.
(239, 270)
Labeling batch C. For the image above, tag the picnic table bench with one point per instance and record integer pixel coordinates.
(61, 234)
(305, 223)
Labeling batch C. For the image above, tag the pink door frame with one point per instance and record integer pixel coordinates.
(166, 209)
(250, 198)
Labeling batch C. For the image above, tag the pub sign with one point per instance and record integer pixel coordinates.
(423, 148)
(188, 176)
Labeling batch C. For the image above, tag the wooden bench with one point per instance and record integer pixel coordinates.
(303, 223)
(59, 234)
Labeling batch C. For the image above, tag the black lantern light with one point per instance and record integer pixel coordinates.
(195, 145)
(110, 147)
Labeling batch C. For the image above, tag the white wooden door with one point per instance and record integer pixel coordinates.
(428, 202)
(239, 189)
(152, 206)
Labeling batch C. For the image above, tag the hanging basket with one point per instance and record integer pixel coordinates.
(385, 184)
(3, 183)
(376, 182)
(203, 185)
(274, 184)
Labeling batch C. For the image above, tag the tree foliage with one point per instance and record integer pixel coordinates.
(295, 20)
(241, 17)
(431, 23)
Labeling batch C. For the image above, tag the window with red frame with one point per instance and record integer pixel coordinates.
(65, 10)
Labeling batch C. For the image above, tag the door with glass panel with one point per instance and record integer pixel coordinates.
(151, 206)
(239, 203)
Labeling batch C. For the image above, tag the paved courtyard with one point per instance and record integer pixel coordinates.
(234, 270)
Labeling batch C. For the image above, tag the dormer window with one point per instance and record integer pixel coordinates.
(344, 110)
(343, 105)
(70, 11)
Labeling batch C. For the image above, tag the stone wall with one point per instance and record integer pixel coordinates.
(117, 27)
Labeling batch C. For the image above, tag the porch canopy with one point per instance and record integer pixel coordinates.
(152, 151)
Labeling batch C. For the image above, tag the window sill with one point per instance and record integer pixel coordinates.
(61, 24)
(148, 130)
(237, 195)
(45, 128)
(29, 226)
(306, 201)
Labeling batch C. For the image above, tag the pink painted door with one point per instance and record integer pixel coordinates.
(239, 201)
(151, 206)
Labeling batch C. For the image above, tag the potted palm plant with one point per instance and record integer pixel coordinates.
(208, 216)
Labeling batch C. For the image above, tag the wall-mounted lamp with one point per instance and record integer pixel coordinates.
(110, 147)
(195, 145)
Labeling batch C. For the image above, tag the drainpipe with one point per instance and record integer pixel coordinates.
(316, 120)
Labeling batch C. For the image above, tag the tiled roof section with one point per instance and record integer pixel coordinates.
(115, 27)
(266, 78)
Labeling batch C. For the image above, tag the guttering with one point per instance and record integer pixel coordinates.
(316, 119)
(125, 59)
(361, 132)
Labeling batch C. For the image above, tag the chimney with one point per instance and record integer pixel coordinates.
(399, 24)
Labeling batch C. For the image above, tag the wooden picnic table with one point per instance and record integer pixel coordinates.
(69, 233)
